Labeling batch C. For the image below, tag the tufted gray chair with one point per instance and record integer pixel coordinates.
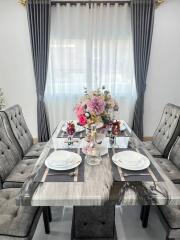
(171, 165)
(170, 218)
(22, 133)
(13, 170)
(17, 222)
(166, 133)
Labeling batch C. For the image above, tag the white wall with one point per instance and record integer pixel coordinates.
(163, 81)
(16, 69)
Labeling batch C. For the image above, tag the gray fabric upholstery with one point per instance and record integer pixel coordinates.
(9, 155)
(171, 215)
(35, 151)
(19, 174)
(16, 222)
(175, 154)
(142, 15)
(152, 149)
(22, 134)
(19, 127)
(168, 129)
(170, 169)
(171, 166)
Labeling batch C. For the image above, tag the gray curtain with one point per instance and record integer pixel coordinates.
(142, 14)
(39, 28)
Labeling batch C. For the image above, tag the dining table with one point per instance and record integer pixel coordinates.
(94, 190)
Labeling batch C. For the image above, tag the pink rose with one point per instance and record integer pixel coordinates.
(82, 120)
(79, 110)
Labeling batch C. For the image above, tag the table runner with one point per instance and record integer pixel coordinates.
(49, 175)
(119, 173)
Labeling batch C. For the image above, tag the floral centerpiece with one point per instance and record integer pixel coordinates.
(96, 106)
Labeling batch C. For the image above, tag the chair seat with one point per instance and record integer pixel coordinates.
(16, 222)
(170, 169)
(19, 174)
(171, 215)
(152, 149)
(35, 151)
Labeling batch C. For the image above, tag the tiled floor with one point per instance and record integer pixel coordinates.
(128, 225)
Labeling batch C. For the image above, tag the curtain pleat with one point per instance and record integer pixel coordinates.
(39, 28)
(142, 14)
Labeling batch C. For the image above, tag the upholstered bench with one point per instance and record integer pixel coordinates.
(16, 222)
(166, 133)
(171, 166)
(22, 134)
(13, 170)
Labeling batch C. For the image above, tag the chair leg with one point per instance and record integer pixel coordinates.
(49, 214)
(145, 216)
(142, 212)
(46, 220)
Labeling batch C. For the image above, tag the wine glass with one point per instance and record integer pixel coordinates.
(70, 131)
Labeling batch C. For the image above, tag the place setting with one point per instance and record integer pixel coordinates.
(131, 165)
(65, 165)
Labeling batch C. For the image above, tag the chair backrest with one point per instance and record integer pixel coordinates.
(9, 154)
(168, 129)
(19, 127)
(174, 155)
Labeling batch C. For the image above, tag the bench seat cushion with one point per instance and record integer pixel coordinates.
(172, 215)
(15, 221)
(152, 149)
(35, 150)
(19, 174)
(170, 169)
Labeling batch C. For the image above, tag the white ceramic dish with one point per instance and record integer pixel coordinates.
(63, 160)
(131, 160)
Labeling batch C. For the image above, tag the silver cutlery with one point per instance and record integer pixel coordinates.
(135, 174)
(71, 174)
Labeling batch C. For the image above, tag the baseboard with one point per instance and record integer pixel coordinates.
(145, 139)
(35, 140)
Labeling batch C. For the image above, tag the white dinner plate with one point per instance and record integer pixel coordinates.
(63, 160)
(78, 128)
(131, 160)
(101, 151)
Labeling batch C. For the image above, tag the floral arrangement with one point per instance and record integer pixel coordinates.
(2, 99)
(96, 106)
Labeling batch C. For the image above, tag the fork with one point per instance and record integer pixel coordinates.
(135, 174)
(71, 174)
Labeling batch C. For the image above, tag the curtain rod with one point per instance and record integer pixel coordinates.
(24, 2)
(54, 2)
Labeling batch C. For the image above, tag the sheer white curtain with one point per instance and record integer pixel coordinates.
(90, 47)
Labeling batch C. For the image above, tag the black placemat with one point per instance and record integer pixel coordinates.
(119, 173)
(57, 176)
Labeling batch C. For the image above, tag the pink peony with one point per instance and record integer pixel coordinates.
(79, 110)
(82, 120)
(96, 105)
